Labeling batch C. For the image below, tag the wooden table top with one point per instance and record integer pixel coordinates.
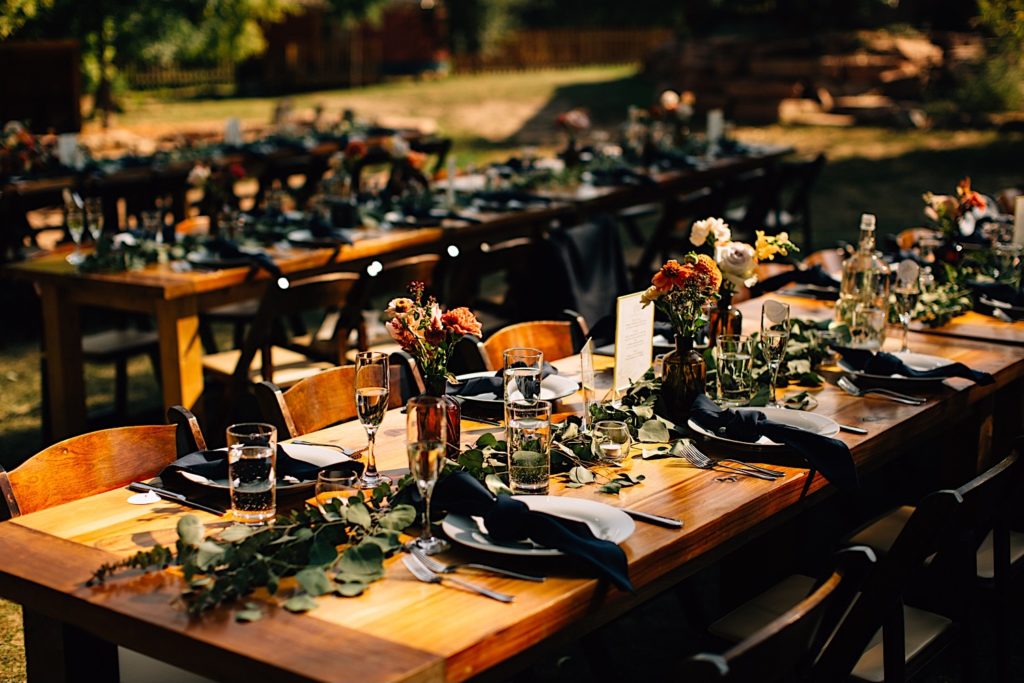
(402, 630)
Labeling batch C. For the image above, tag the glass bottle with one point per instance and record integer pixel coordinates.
(864, 291)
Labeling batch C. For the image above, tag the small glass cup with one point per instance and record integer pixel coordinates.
(94, 218)
(252, 472)
(734, 356)
(610, 441)
(528, 432)
(152, 225)
(335, 483)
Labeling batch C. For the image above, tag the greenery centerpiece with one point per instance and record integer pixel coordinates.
(429, 334)
(681, 291)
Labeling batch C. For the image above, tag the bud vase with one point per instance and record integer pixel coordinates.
(725, 319)
(683, 379)
(453, 410)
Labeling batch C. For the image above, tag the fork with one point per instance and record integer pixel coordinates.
(347, 451)
(421, 572)
(700, 460)
(847, 385)
(441, 568)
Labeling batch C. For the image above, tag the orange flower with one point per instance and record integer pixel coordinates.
(708, 270)
(461, 321)
(672, 274)
(969, 199)
(416, 159)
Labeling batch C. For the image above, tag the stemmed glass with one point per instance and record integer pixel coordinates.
(75, 221)
(906, 292)
(372, 390)
(426, 423)
(774, 337)
(94, 218)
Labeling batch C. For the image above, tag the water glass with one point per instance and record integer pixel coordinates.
(528, 433)
(1007, 259)
(774, 338)
(152, 225)
(734, 356)
(335, 483)
(426, 438)
(522, 373)
(372, 390)
(610, 441)
(252, 472)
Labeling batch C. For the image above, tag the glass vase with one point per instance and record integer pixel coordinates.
(683, 379)
(453, 410)
(725, 319)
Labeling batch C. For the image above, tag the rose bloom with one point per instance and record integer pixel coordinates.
(669, 100)
(401, 334)
(434, 331)
(716, 226)
(399, 307)
(461, 321)
(738, 263)
(939, 205)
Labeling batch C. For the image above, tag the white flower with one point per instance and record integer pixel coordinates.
(701, 229)
(198, 176)
(669, 100)
(738, 263)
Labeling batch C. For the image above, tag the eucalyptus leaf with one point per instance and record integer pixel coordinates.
(209, 554)
(496, 485)
(322, 552)
(314, 581)
(389, 541)
(300, 603)
(350, 590)
(581, 475)
(252, 612)
(398, 518)
(357, 513)
(653, 431)
(364, 560)
(190, 530)
(487, 440)
(235, 533)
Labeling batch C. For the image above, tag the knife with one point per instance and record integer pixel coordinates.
(852, 429)
(179, 498)
(658, 520)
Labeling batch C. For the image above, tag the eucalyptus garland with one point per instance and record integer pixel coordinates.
(303, 545)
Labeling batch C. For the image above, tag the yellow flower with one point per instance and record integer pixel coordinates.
(769, 247)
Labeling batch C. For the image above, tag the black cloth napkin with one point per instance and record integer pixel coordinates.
(808, 276)
(999, 291)
(883, 363)
(226, 249)
(829, 456)
(214, 465)
(491, 384)
(509, 520)
(323, 229)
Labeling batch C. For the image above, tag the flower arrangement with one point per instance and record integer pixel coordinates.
(949, 211)
(681, 290)
(355, 151)
(738, 261)
(428, 333)
(573, 121)
(674, 106)
(217, 184)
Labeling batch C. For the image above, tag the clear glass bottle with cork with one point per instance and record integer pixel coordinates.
(864, 291)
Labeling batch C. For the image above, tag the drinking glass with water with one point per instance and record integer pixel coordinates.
(252, 475)
(528, 433)
(734, 356)
(522, 374)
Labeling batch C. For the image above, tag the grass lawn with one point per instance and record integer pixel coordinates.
(878, 170)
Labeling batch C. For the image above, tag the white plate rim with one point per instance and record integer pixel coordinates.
(487, 373)
(831, 431)
(622, 525)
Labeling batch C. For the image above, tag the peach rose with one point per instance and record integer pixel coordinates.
(461, 321)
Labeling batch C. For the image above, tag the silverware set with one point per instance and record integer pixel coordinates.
(701, 460)
(847, 385)
(441, 568)
(423, 573)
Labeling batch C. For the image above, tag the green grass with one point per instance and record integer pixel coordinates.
(878, 170)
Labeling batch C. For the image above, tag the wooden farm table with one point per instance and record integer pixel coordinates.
(176, 299)
(401, 630)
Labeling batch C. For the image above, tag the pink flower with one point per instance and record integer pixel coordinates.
(461, 321)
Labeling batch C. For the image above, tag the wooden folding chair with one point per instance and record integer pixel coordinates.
(553, 337)
(787, 647)
(318, 401)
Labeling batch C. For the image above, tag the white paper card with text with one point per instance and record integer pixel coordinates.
(634, 340)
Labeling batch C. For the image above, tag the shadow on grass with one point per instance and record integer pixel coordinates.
(892, 188)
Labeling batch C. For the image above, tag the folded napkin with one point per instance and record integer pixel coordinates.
(293, 460)
(490, 384)
(1002, 293)
(829, 456)
(883, 363)
(227, 249)
(510, 520)
(807, 276)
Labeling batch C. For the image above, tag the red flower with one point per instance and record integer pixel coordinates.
(461, 321)
(355, 149)
(672, 274)
(969, 199)
(237, 171)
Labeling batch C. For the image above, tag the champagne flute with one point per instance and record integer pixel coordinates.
(426, 426)
(94, 218)
(75, 222)
(372, 391)
(774, 337)
(906, 291)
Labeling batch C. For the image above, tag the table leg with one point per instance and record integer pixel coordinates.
(181, 353)
(62, 334)
(61, 653)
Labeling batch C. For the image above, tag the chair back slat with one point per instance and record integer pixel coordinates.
(92, 463)
(319, 401)
(552, 337)
(786, 648)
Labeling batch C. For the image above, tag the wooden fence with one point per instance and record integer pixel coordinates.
(544, 48)
(145, 79)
